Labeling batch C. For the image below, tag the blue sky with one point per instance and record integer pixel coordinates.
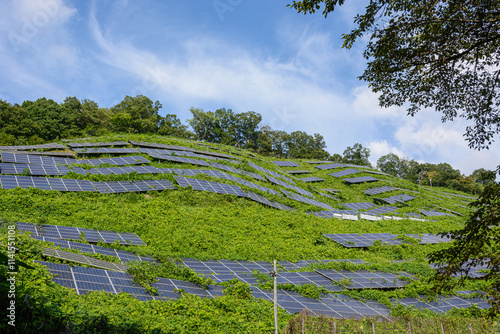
(244, 55)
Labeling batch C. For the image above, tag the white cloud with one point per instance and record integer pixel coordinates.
(382, 147)
(365, 104)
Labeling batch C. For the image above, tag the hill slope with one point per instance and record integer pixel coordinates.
(186, 223)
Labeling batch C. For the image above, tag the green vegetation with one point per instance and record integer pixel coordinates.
(202, 225)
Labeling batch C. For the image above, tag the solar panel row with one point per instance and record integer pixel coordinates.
(397, 199)
(84, 151)
(43, 160)
(289, 186)
(361, 179)
(379, 190)
(80, 258)
(285, 163)
(180, 148)
(368, 239)
(359, 206)
(123, 256)
(270, 172)
(26, 182)
(306, 200)
(311, 179)
(330, 166)
(76, 233)
(345, 172)
(34, 147)
(202, 185)
(53, 170)
(443, 304)
(114, 143)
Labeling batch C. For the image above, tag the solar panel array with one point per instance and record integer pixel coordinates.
(345, 172)
(151, 151)
(202, 185)
(114, 143)
(180, 148)
(74, 233)
(289, 186)
(34, 147)
(288, 265)
(285, 163)
(397, 199)
(106, 150)
(330, 166)
(360, 179)
(311, 179)
(123, 256)
(48, 153)
(367, 239)
(26, 182)
(379, 190)
(306, 200)
(359, 206)
(6, 168)
(111, 187)
(35, 159)
(80, 258)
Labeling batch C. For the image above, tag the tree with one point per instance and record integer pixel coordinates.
(483, 176)
(136, 114)
(357, 155)
(431, 54)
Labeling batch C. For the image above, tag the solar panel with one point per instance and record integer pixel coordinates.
(330, 166)
(311, 179)
(80, 258)
(318, 162)
(106, 150)
(6, 168)
(431, 213)
(298, 171)
(132, 186)
(119, 161)
(123, 256)
(345, 172)
(285, 163)
(397, 199)
(264, 200)
(361, 179)
(364, 279)
(379, 190)
(26, 182)
(34, 147)
(270, 172)
(289, 186)
(114, 143)
(202, 185)
(91, 235)
(367, 240)
(178, 153)
(35, 159)
(306, 200)
(475, 271)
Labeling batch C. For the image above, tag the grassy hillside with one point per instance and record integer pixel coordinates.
(185, 223)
